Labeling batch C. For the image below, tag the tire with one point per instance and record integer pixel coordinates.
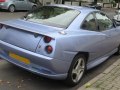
(76, 71)
(118, 51)
(11, 8)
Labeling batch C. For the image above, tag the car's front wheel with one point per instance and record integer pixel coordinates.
(11, 8)
(77, 70)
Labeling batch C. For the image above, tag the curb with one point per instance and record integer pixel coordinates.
(88, 84)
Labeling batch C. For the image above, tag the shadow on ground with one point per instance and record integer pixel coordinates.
(26, 80)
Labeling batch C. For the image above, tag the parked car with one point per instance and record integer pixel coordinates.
(59, 42)
(13, 5)
(117, 16)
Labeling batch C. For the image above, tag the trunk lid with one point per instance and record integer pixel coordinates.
(24, 34)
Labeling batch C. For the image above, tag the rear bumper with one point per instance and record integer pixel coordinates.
(41, 65)
(3, 6)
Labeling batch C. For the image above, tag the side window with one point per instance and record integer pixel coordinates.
(104, 23)
(89, 23)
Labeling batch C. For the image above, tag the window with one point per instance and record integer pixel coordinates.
(89, 23)
(104, 23)
(53, 16)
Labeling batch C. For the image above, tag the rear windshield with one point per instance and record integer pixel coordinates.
(53, 16)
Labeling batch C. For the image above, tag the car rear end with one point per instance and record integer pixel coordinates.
(35, 42)
(4, 4)
(31, 50)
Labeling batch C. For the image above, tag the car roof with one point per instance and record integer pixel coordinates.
(78, 8)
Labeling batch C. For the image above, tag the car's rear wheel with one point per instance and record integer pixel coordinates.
(77, 70)
(11, 8)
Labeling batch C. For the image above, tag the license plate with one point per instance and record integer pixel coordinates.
(19, 58)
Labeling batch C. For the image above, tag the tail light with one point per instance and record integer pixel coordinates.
(49, 49)
(1, 25)
(47, 39)
(2, 0)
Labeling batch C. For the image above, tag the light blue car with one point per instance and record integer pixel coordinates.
(13, 5)
(59, 42)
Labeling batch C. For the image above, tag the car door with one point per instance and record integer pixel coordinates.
(100, 42)
(21, 4)
(107, 27)
(31, 3)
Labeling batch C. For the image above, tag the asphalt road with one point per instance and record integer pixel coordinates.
(5, 15)
(14, 78)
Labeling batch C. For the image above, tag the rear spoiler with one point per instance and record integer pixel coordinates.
(19, 27)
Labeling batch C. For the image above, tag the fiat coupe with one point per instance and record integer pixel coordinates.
(59, 42)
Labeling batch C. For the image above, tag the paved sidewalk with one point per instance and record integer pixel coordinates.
(108, 80)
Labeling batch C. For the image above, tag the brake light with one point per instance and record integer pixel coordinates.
(1, 26)
(2, 0)
(49, 49)
(47, 39)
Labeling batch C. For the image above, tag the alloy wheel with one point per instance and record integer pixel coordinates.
(11, 8)
(78, 70)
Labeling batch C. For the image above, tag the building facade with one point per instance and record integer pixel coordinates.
(44, 2)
